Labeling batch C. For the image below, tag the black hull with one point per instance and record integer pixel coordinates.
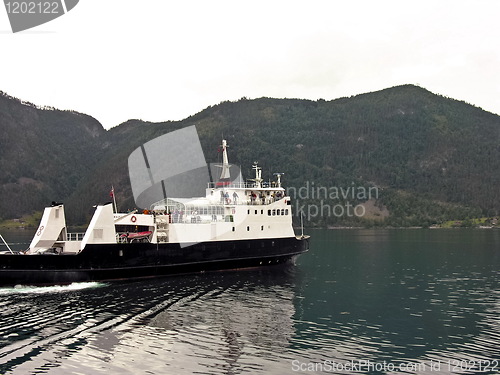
(139, 260)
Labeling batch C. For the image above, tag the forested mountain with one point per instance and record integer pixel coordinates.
(44, 153)
(430, 158)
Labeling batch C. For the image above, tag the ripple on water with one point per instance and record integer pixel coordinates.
(405, 312)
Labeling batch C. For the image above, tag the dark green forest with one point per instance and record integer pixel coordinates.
(430, 158)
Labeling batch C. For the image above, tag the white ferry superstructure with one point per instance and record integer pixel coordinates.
(236, 225)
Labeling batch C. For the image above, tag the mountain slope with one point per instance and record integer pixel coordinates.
(431, 158)
(43, 154)
(443, 152)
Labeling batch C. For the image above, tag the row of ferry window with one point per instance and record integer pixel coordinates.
(277, 212)
(274, 212)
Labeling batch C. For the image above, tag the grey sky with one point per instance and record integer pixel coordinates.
(166, 60)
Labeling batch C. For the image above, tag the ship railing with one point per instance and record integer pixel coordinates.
(168, 211)
(242, 185)
(175, 210)
(191, 218)
(258, 201)
(232, 185)
(76, 236)
(250, 201)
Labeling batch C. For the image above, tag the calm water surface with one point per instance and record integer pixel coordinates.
(361, 301)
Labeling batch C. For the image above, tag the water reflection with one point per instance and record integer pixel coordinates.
(214, 323)
(402, 296)
(409, 298)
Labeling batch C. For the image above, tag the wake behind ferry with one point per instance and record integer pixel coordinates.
(236, 225)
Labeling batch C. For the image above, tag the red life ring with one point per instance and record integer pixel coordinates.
(133, 219)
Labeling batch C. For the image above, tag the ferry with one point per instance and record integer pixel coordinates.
(235, 225)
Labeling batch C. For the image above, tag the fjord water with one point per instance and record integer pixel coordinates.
(361, 301)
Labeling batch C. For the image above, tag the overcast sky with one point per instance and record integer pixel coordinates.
(161, 60)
